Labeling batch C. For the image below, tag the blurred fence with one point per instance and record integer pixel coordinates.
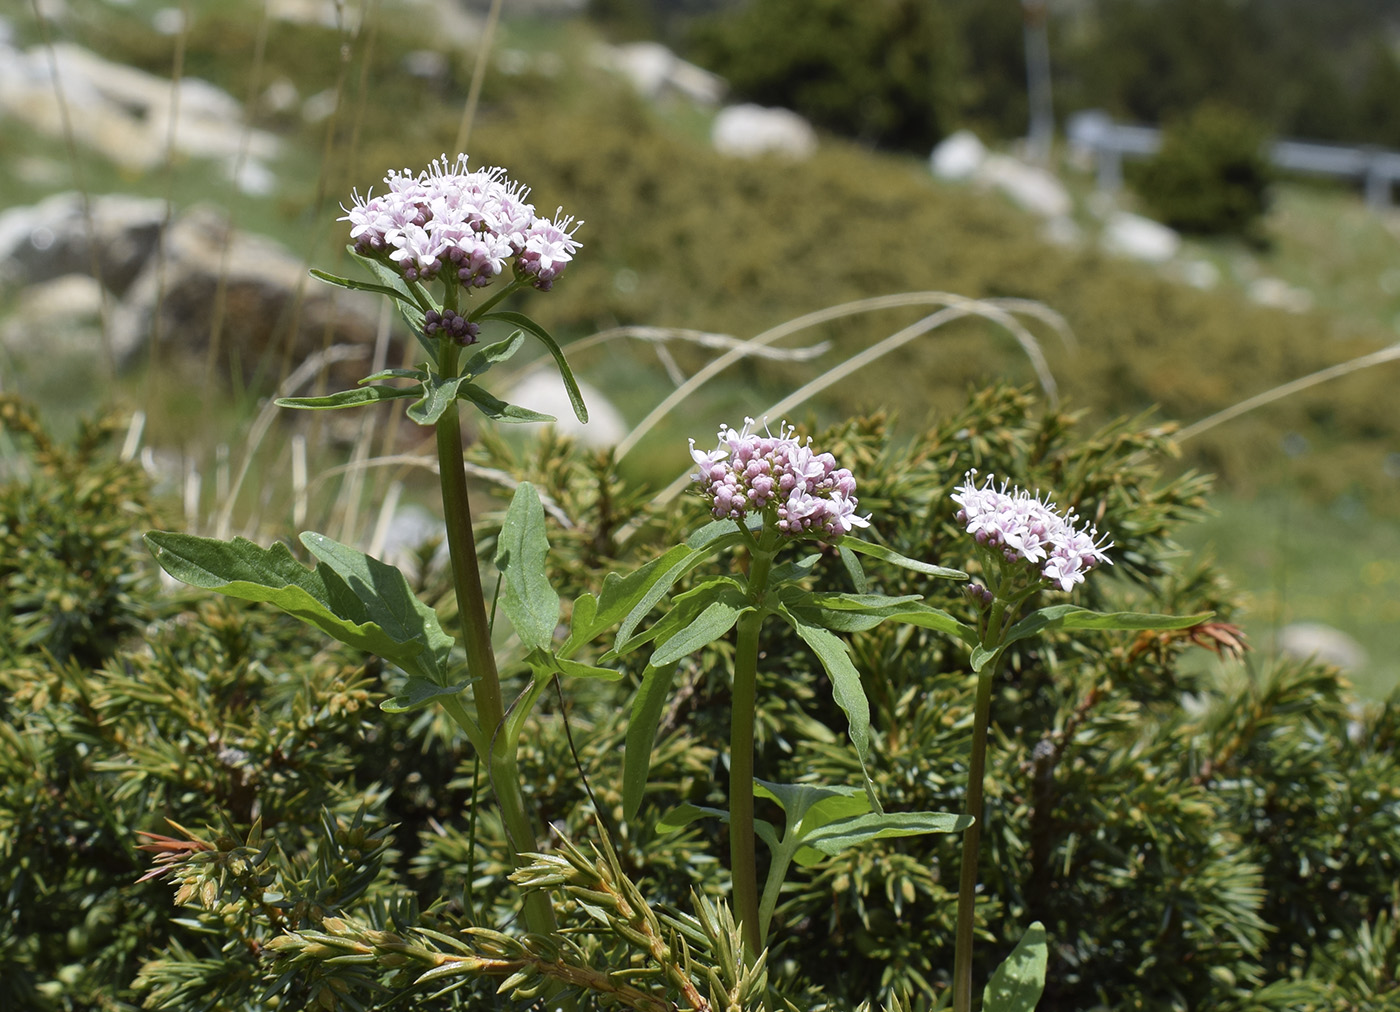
(1095, 133)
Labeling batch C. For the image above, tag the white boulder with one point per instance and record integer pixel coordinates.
(543, 390)
(1139, 238)
(1279, 294)
(124, 113)
(749, 131)
(958, 156)
(1317, 641)
(656, 72)
(1030, 187)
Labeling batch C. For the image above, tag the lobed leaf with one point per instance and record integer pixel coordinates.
(490, 354)
(360, 601)
(418, 692)
(438, 394)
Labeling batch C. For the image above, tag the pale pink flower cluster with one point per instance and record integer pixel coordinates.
(752, 472)
(1023, 527)
(450, 222)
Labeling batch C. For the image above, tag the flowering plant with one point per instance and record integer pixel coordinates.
(433, 242)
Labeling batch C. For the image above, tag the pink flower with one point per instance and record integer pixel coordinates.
(1027, 529)
(479, 221)
(748, 471)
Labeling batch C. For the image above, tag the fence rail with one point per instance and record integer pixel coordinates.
(1109, 143)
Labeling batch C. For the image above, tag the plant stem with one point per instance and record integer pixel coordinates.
(742, 858)
(476, 637)
(972, 836)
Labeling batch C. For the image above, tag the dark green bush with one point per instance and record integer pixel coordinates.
(67, 584)
(1193, 835)
(1212, 175)
(882, 71)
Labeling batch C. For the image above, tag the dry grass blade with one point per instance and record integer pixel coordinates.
(302, 375)
(989, 309)
(955, 307)
(1283, 390)
(483, 59)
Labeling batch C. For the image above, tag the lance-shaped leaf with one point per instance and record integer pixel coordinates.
(1017, 984)
(418, 692)
(496, 409)
(843, 834)
(667, 579)
(527, 324)
(717, 618)
(647, 705)
(361, 286)
(1069, 616)
(577, 669)
(350, 398)
(857, 612)
(685, 609)
(594, 615)
(521, 553)
(845, 685)
(894, 558)
(417, 375)
(716, 529)
(360, 601)
(684, 814)
(489, 354)
(851, 561)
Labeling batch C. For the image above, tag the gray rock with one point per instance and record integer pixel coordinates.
(57, 317)
(267, 293)
(410, 529)
(51, 239)
(126, 113)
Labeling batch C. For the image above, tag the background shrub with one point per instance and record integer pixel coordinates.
(882, 71)
(1212, 175)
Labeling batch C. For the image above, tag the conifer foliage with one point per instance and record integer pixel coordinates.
(201, 805)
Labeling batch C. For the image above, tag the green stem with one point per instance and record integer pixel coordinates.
(495, 300)
(742, 857)
(476, 636)
(972, 836)
(772, 889)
